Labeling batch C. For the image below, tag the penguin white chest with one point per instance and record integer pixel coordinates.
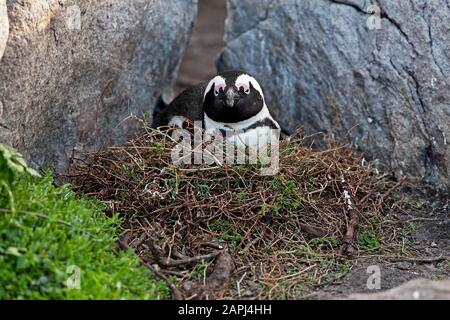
(253, 138)
(248, 132)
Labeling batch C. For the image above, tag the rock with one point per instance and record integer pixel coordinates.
(417, 289)
(74, 70)
(4, 28)
(326, 66)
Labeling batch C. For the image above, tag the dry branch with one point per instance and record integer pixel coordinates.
(177, 216)
(348, 245)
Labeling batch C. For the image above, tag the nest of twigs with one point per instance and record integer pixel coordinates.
(227, 231)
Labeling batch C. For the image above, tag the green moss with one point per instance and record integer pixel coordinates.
(324, 241)
(287, 195)
(131, 171)
(206, 188)
(157, 148)
(440, 277)
(56, 245)
(240, 196)
(368, 241)
(228, 233)
(199, 271)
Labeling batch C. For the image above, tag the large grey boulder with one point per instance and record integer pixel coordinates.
(73, 71)
(343, 66)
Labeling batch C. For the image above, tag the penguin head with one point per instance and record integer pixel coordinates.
(233, 96)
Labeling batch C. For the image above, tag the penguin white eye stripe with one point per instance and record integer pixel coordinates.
(244, 80)
(218, 88)
(217, 82)
(243, 87)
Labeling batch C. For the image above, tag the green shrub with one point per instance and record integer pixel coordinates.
(50, 238)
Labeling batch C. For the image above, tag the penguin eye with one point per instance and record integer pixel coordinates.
(245, 89)
(217, 91)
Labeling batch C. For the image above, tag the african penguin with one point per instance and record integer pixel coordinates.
(232, 102)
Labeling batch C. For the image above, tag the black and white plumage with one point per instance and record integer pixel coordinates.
(232, 102)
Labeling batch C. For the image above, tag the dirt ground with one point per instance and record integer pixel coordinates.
(430, 231)
(430, 238)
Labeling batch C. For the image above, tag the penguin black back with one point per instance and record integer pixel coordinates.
(188, 104)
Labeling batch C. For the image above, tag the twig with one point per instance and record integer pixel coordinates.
(213, 245)
(173, 263)
(315, 232)
(176, 294)
(238, 284)
(234, 203)
(139, 241)
(348, 246)
(217, 283)
(297, 274)
(175, 273)
(395, 186)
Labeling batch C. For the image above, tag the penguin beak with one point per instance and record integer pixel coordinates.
(231, 97)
